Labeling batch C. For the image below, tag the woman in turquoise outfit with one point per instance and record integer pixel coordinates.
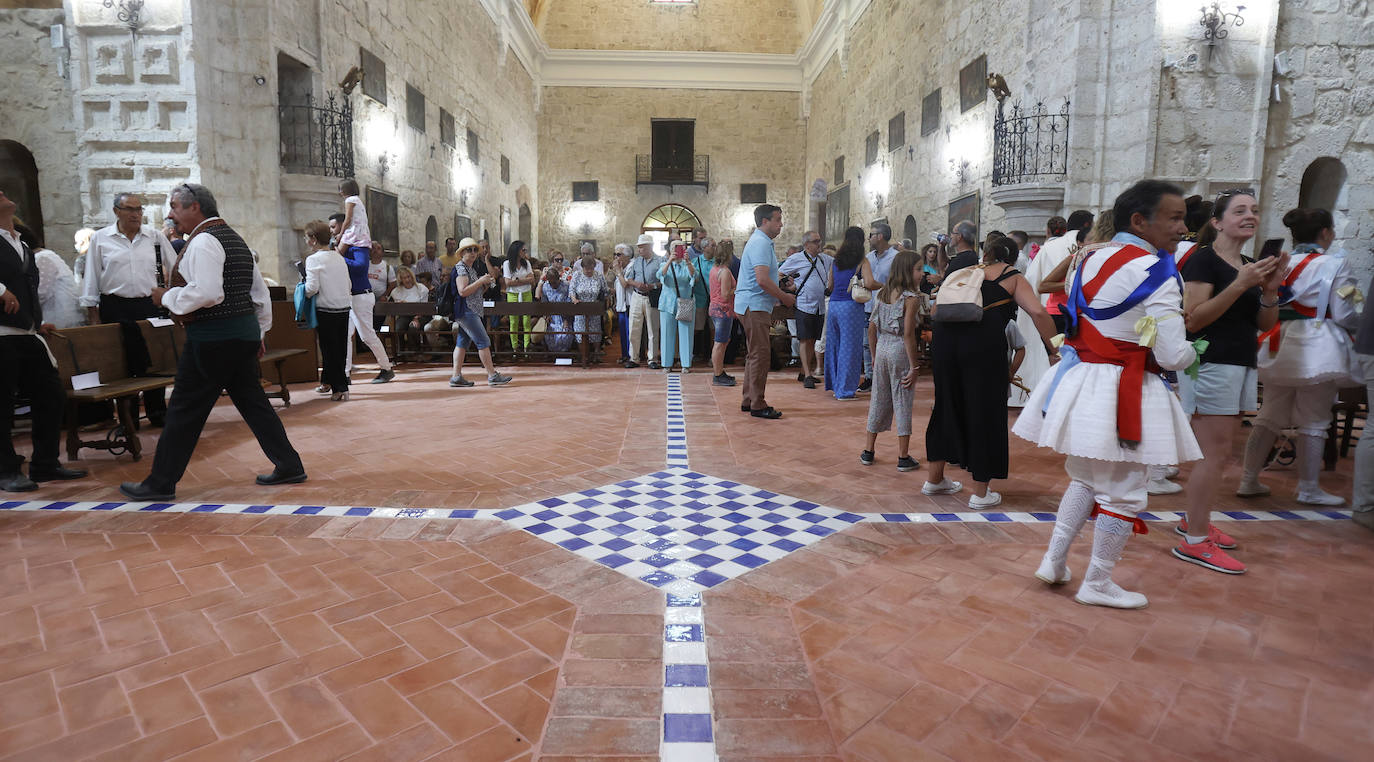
(677, 276)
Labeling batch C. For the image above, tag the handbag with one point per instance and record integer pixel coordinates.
(858, 291)
(686, 310)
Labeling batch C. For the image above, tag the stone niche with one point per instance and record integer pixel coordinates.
(1026, 206)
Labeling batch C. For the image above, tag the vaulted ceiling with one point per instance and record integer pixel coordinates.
(736, 26)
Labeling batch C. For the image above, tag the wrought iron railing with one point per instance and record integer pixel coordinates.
(317, 138)
(647, 174)
(1030, 146)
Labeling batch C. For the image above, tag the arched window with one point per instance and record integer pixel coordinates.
(19, 181)
(1322, 185)
(668, 218)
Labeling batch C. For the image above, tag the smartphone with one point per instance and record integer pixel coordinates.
(1272, 248)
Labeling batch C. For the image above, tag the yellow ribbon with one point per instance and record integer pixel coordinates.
(1351, 293)
(1057, 340)
(1148, 328)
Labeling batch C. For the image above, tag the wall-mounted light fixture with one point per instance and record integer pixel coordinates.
(130, 13)
(584, 216)
(1214, 22)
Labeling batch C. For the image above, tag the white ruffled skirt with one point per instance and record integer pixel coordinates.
(1080, 418)
(1310, 352)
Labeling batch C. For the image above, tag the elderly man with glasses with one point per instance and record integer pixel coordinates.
(125, 262)
(811, 270)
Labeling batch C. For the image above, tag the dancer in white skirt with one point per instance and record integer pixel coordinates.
(1306, 358)
(1106, 405)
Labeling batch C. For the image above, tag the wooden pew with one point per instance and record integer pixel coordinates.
(100, 348)
(399, 313)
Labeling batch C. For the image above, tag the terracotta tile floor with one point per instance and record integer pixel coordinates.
(149, 636)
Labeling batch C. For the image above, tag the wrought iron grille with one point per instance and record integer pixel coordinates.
(317, 138)
(647, 174)
(1030, 145)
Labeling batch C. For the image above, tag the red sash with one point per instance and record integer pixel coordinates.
(1133, 359)
(1272, 335)
(1138, 524)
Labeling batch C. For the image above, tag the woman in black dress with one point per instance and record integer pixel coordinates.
(968, 425)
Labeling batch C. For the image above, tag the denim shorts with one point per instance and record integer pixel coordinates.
(722, 328)
(1219, 390)
(470, 331)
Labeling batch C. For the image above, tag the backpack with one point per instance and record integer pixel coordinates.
(448, 303)
(960, 298)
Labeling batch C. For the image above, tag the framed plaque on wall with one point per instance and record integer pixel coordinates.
(383, 219)
(963, 208)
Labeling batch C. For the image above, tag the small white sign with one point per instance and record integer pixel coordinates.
(488, 303)
(563, 361)
(86, 380)
(158, 322)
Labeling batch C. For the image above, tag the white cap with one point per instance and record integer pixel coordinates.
(645, 238)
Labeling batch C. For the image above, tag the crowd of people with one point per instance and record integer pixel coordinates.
(1134, 340)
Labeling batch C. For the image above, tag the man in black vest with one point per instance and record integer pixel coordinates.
(220, 295)
(25, 365)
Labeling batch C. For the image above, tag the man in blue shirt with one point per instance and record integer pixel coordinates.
(642, 277)
(755, 296)
(811, 270)
(880, 261)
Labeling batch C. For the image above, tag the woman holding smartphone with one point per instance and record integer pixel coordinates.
(678, 277)
(1227, 299)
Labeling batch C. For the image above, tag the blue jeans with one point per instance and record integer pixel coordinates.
(470, 333)
(622, 324)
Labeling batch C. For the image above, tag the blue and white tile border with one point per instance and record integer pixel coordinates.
(677, 424)
(688, 733)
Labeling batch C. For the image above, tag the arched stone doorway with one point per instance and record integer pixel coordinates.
(432, 230)
(909, 230)
(1322, 185)
(19, 181)
(524, 224)
(666, 218)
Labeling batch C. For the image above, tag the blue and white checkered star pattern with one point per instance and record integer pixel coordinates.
(679, 525)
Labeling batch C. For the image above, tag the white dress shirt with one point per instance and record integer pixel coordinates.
(122, 267)
(202, 265)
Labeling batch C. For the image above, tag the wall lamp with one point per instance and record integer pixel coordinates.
(1214, 22)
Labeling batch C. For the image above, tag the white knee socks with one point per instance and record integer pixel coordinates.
(1310, 448)
(1074, 508)
(1110, 536)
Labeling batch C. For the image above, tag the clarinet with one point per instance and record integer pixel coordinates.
(161, 277)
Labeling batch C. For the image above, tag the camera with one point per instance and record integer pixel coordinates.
(940, 238)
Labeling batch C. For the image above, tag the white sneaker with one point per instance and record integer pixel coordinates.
(1171, 472)
(1051, 574)
(945, 487)
(1252, 489)
(987, 501)
(1111, 595)
(1163, 487)
(1318, 496)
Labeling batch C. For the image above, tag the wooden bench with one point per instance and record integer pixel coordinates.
(399, 313)
(100, 349)
(277, 358)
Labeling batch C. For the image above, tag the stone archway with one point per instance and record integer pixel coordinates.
(909, 230)
(432, 230)
(19, 181)
(1323, 185)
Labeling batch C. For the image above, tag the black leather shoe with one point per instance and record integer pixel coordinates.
(654, 365)
(57, 474)
(866, 385)
(745, 409)
(15, 481)
(277, 477)
(143, 493)
(771, 414)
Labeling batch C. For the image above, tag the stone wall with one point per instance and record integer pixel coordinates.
(595, 133)
(484, 89)
(37, 115)
(741, 26)
(1326, 110)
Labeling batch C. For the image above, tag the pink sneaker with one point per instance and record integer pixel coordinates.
(1206, 553)
(1223, 540)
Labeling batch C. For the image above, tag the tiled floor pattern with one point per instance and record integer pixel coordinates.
(683, 532)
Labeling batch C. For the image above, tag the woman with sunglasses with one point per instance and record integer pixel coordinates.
(1305, 358)
(1227, 299)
